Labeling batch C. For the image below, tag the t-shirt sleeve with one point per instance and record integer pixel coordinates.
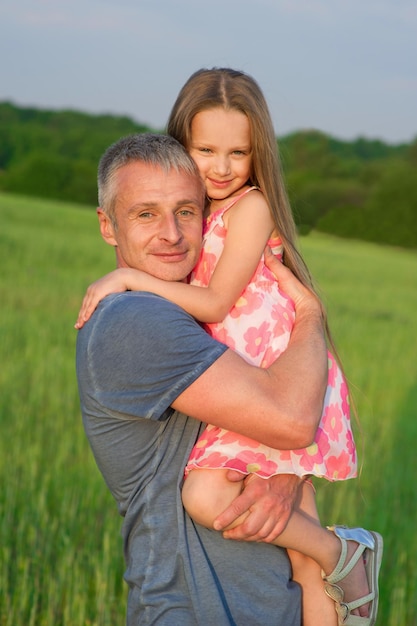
(142, 353)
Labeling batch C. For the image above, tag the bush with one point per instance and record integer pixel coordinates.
(53, 176)
(389, 216)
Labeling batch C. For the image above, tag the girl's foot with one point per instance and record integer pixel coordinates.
(357, 569)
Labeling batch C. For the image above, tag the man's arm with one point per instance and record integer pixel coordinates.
(288, 401)
(280, 406)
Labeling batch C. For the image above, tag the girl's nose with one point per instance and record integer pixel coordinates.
(222, 165)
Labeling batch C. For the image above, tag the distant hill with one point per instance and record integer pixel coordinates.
(365, 189)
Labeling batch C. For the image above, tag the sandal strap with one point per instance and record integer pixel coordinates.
(332, 578)
(344, 609)
(341, 570)
(365, 540)
(356, 603)
(336, 593)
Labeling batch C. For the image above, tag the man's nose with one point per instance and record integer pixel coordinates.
(170, 230)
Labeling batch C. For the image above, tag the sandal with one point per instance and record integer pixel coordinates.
(370, 549)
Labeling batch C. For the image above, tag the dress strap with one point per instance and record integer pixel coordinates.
(237, 198)
(226, 207)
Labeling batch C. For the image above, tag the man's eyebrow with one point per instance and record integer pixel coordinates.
(142, 205)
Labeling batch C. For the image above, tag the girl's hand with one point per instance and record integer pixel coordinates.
(115, 282)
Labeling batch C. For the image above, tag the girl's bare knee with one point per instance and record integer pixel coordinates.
(206, 494)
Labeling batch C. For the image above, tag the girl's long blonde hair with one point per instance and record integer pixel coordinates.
(234, 90)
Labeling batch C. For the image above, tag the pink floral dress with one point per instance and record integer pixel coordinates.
(258, 327)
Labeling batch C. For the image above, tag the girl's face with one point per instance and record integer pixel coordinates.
(221, 147)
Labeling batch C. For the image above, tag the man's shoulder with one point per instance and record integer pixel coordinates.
(132, 299)
(137, 345)
(137, 307)
(138, 317)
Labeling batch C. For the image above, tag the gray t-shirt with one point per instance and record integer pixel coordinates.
(134, 357)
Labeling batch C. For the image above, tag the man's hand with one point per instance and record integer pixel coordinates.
(268, 504)
(300, 295)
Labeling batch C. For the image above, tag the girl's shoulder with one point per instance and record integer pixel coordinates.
(248, 202)
(241, 195)
(252, 208)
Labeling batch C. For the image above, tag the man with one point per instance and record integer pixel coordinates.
(144, 366)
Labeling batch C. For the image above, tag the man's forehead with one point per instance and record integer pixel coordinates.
(153, 177)
(141, 186)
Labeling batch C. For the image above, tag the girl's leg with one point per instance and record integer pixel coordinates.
(317, 607)
(206, 493)
(304, 535)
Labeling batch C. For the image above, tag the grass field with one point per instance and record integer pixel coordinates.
(61, 555)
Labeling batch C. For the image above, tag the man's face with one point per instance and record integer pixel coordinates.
(159, 221)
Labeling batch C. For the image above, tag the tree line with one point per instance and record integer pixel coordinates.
(363, 189)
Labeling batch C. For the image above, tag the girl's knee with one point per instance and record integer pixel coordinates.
(206, 494)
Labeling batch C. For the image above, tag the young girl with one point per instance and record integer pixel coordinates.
(222, 119)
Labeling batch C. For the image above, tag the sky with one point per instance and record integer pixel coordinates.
(345, 67)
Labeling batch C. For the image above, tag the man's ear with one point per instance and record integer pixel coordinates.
(106, 227)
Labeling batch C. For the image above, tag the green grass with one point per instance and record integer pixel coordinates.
(371, 296)
(61, 555)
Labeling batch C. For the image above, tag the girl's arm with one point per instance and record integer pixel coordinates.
(249, 226)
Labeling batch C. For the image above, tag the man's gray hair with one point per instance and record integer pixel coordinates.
(152, 149)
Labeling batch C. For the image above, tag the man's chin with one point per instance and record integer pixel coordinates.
(170, 272)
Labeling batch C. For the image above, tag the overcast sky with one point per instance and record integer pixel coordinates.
(346, 67)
